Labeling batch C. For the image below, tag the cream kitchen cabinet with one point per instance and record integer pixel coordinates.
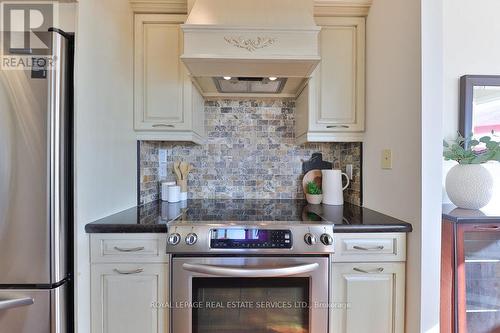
(167, 105)
(331, 107)
(368, 283)
(368, 297)
(129, 283)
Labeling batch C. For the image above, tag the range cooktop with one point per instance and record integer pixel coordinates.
(251, 211)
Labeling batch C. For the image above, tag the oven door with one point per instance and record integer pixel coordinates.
(250, 294)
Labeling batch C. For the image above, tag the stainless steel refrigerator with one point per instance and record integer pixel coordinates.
(36, 214)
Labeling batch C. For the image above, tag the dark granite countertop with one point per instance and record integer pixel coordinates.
(459, 215)
(155, 217)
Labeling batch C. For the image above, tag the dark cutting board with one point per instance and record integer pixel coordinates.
(316, 162)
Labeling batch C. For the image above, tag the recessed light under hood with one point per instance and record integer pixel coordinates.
(256, 38)
(250, 85)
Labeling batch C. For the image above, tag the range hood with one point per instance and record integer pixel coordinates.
(256, 39)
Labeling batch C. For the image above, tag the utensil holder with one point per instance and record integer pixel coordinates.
(183, 184)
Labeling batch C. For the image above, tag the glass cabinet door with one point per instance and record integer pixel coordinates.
(482, 278)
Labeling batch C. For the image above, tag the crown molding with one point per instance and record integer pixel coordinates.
(160, 6)
(342, 7)
(321, 7)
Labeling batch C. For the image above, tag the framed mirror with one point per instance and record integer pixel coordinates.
(480, 105)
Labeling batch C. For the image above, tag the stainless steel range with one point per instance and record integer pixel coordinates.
(249, 276)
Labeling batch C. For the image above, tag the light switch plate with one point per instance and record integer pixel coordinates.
(386, 159)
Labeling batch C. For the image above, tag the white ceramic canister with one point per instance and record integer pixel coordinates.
(332, 187)
(174, 193)
(164, 190)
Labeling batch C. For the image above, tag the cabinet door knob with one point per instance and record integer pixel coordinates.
(337, 126)
(163, 125)
(137, 271)
(377, 270)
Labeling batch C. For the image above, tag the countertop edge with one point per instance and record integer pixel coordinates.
(124, 229)
(403, 228)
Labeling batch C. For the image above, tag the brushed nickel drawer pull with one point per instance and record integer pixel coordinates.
(487, 228)
(163, 125)
(15, 303)
(337, 126)
(134, 249)
(356, 247)
(377, 270)
(137, 271)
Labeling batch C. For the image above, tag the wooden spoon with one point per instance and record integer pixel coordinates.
(184, 167)
(177, 170)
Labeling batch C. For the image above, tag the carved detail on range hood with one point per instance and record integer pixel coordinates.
(239, 38)
(250, 44)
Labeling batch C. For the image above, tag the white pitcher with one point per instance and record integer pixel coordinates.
(332, 187)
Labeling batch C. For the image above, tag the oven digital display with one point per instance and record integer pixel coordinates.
(236, 238)
(240, 234)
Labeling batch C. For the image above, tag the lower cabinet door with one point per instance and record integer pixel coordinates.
(128, 298)
(367, 297)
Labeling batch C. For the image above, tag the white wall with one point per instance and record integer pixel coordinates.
(471, 43)
(399, 99)
(471, 40)
(432, 134)
(105, 141)
(67, 16)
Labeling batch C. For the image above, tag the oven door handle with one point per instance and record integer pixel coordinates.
(234, 271)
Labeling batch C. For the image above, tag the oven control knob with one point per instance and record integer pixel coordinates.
(191, 238)
(174, 239)
(326, 239)
(310, 239)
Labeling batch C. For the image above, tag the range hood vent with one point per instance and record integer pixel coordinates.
(257, 38)
(251, 85)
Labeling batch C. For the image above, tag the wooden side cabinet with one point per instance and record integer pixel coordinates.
(470, 277)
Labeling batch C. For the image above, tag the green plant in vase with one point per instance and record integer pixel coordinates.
(314, 194)
(469, 184)
(472, 151)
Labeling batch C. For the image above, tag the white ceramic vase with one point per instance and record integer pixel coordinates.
(469, 186)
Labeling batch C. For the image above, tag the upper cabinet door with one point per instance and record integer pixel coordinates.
(340, 77)
(160, 77)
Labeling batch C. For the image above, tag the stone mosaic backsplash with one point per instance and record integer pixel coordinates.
(250, 153)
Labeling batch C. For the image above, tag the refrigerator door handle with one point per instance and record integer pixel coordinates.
(58, 152)
(15, 303)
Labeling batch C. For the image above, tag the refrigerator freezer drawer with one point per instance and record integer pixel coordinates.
(35, 310)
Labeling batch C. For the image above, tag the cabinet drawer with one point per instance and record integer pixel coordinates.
(370, 247)
(128, 248)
